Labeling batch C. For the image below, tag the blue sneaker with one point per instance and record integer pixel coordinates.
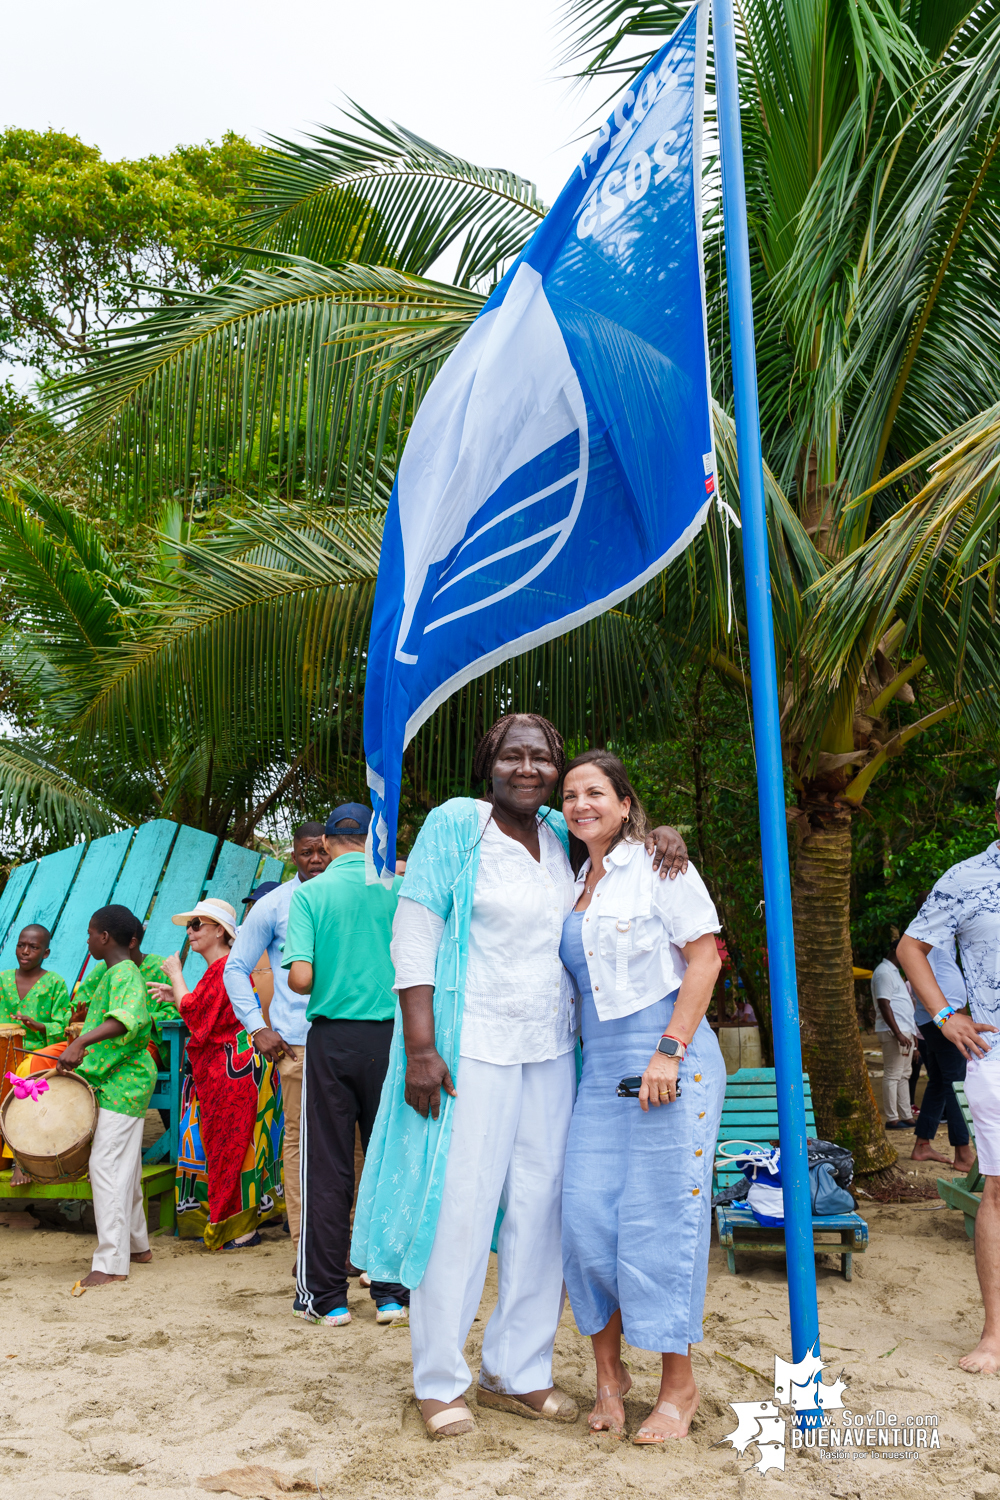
(392, 1312)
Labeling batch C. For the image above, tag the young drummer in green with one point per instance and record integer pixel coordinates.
(111, 1054)
(32, 996)
(150, 966)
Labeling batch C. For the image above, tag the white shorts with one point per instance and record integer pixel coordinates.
(982, 1089)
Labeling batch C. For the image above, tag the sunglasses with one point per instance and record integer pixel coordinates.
(195, 924)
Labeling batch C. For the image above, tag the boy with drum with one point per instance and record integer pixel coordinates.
(33, 997)
(111, 1054)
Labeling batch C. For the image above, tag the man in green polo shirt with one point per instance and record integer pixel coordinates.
(337, 952)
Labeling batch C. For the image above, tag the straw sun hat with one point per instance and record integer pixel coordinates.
(212, 910)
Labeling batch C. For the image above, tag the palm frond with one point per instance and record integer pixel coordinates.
(617, 38)
(380, 195)
(932, 566)
(38, 799)
(60, 598)
(299, 379)
(258, 658)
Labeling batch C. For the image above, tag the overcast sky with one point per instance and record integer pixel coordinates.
(137, 78)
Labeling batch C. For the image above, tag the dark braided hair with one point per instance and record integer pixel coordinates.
(491, 743)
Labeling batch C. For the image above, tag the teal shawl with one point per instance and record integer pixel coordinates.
(400, 1194)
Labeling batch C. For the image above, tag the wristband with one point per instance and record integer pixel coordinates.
(257, 1029)
(682, 1045)
(942, 1015)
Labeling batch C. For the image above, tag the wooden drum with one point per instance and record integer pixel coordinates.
(50, 1137)
(11, 1053)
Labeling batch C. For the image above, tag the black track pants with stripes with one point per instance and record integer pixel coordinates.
(346, 1063)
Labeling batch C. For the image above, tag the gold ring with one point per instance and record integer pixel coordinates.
(664, 1093)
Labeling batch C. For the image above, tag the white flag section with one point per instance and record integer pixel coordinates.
(563, 455)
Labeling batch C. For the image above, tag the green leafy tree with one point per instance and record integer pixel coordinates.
(83, 240)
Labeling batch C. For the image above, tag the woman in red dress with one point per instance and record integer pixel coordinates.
(228, 1167)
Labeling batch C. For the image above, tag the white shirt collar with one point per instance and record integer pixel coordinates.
(621, 854)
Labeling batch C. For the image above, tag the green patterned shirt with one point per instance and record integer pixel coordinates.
(151, 970)
(120, 1069)
(46, 1002)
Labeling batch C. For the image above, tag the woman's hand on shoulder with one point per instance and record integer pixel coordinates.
(659, 1082)
(669, 851)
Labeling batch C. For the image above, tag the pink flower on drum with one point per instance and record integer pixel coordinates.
(28, 1088)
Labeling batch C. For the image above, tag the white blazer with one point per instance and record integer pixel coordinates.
(634, 929)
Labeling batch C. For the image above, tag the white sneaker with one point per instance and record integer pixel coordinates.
(392, 1312)
(335, 1319)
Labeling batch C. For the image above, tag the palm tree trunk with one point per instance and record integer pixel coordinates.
(832, 1051)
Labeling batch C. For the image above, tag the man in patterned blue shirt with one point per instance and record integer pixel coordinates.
(965, 905)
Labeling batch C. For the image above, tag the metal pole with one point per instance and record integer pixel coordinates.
(802, 1306)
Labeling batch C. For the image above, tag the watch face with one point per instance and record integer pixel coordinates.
(668, 1046)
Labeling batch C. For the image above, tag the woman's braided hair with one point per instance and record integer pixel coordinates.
(490, 745)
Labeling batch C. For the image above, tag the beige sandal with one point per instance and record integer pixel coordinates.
(450, 1421)
(557, 1406)
(616, 1392)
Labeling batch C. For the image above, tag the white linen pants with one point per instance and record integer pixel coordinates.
(508, 1145)
(116, 1181)
(896, 1067)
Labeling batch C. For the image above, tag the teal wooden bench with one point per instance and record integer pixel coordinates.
(154, 870)
(750, 1115)
(964, 1193)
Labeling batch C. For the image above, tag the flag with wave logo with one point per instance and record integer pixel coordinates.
(563, 455)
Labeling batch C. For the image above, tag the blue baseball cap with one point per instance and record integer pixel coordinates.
(264, 889)
(349, 812)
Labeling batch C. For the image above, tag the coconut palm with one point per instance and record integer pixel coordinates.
(175, 693)
(870, 136)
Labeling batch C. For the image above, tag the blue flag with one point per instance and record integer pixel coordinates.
(563, 455)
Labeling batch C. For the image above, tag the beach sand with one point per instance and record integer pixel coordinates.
(195, 1366)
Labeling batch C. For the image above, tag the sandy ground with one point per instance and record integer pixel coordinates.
(195, 1366)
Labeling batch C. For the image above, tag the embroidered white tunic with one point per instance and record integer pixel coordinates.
(519, 1002)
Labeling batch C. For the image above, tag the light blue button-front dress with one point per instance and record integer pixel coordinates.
(637, 1190)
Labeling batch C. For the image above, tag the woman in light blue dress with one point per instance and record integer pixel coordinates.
(638, 1177)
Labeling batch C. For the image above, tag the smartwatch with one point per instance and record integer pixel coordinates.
(670, 1047)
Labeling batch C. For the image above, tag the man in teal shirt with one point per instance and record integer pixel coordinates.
(337, 952)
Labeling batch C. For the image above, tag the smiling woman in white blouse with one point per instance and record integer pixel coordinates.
(638, 1178)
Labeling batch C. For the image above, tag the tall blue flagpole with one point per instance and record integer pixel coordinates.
(803, 1310)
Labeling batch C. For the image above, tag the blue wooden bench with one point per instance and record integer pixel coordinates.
(750, 1115)
(964, 1193)
(154, 870)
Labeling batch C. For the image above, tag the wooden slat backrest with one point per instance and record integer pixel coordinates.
(95, 880)
(750, 1113)
(160, 864)
(137, 883)
(180, 889)
(44, 898)
(234, 877)
(13, 895)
